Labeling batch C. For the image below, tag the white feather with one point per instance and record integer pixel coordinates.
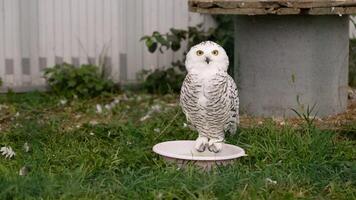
(7, 152)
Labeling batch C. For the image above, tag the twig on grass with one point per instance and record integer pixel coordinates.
(168, 125)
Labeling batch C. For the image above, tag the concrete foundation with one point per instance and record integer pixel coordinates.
(285, 62)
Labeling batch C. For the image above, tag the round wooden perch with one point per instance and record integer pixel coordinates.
(277, 7)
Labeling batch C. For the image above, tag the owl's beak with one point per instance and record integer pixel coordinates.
(207, 60)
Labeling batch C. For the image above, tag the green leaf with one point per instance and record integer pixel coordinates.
(149, 42)
(161, 40)
(153, 47)
(175, 46)
(144, 38)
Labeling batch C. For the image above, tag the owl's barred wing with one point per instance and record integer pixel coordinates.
(189, 98)
(234, 119)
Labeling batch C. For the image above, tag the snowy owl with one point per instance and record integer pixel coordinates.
(209, 97)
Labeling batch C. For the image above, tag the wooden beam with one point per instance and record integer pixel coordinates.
(279, 7)
(271, 3)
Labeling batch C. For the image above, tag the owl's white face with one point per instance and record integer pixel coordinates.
(206, 57)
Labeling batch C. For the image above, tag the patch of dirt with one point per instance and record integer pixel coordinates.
(333, 122)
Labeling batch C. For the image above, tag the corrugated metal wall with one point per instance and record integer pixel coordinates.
(35, 34)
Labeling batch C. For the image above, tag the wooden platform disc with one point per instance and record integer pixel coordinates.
(278, 7)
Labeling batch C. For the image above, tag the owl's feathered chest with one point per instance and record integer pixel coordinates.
(208, 88)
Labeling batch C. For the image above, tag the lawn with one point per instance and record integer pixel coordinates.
(77, 152)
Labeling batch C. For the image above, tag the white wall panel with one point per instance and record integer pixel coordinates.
(40, 33)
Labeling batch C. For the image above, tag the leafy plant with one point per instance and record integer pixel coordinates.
(163, 81)
(222, 34)
(171, 78)
(84, 81)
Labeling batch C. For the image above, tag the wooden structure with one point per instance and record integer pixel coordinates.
(289, 54)
(278, 7)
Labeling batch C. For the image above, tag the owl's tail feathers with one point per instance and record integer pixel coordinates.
(231, 128)
(190, 125)
(231, 125)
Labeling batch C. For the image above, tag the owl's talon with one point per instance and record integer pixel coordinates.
(200, 144)
(216, 147)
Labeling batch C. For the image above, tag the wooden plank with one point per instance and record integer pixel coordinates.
(75, 28)
(332, 11)
(67, 30)
(25, 28)
(50, 38)
(154, 26)
(2, 58)
(8, 42)
(115, 37)
(99, 37)
(149, 59)
(131, 39)
(36, 74)
(228, 4)
(123, 41)
(139, 33)
(14, 31)
(107, 35)
(180, 22)
(42, 28)
(58, 31)
(277, 11)
(163, 60)
(91, 47)
(82, 40)
(168, 23)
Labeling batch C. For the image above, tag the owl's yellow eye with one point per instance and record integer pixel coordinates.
(200, 53)
(215, 52)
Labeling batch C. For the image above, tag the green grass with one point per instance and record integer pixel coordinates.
(116, 161)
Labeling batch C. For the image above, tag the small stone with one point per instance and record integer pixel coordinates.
(24, 171)
(63, 101)
(156, 108)
(99, 109)
(93, 122)
(116, 101)
(108, 106)
(26, 147)
(91, 133)
(270, 181)
(157, 130)
(145, 117)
